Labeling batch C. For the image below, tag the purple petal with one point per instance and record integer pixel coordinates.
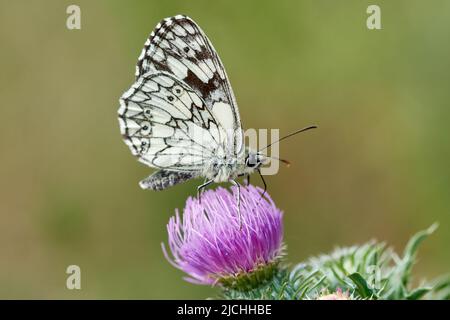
(207, 242)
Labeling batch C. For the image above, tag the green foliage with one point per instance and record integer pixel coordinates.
(368, 271)
(247, 281)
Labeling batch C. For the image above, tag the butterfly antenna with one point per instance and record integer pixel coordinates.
(289, 135)
(286, 162)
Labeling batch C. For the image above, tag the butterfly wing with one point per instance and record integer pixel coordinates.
(167, 125)
(179, 47)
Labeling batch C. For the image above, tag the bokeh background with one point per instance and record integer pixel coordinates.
(378, 166)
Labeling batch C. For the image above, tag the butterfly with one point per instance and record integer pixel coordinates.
(180, 116)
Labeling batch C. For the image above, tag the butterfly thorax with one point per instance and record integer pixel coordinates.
(224, 168)
(229, 167)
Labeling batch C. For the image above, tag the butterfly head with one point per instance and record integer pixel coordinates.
(254, 160)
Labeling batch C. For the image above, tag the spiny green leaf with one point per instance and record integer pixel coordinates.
(442, 284)
(403, 269)
(361, 285)
(418, 293)
(369, 262)
(416, 240)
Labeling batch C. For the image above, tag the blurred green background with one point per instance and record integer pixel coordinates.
(377, 167)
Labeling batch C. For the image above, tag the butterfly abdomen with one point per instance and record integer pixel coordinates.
(164, 179)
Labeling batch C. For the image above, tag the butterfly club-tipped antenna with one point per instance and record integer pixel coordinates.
(288, 136)
(286, 162)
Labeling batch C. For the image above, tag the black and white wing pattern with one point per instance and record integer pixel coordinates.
(167, 125)
(179, 47)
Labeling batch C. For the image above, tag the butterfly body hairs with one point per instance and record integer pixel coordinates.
(180, 116)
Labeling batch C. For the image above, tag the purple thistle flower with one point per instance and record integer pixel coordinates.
(209, 244)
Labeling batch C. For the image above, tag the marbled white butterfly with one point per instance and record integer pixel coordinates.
(180, 115)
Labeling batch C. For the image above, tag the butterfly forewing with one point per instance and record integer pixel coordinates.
(179, 47)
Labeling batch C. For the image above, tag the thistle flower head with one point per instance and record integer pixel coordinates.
(209, 243)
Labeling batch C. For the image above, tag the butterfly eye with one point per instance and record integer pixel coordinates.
(170, 98)
(145, 128)
(249, 163)
(252, 161)
(177, 90)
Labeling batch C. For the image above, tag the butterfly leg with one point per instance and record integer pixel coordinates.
(238, 186)
(248, 180)
(201, 187)
(264, 183)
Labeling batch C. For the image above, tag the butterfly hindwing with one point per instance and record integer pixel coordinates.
(179, 47)
(167, 125)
